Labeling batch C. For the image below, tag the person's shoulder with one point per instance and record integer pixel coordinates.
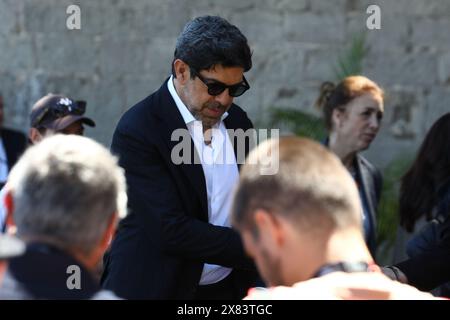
(239, 116)
(236, 111)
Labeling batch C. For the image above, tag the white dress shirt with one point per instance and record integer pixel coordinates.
(221, 175)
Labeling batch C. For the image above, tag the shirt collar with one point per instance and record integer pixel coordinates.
(185, 113)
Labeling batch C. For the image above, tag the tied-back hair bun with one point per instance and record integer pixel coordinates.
(326, 90)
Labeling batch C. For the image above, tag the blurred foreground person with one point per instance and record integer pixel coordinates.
(67, 193)
(303, 228)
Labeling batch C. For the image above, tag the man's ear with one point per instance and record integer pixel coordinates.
(182, 71)
(34, 135)
(269, 225)
(336, 117)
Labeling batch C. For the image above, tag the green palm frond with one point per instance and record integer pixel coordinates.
(298, 122)
(351, 61)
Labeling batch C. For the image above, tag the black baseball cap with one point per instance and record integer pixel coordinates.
(57, 112)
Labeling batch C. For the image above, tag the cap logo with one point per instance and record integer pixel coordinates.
(66, 102)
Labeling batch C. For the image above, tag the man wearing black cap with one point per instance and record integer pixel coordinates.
(55, 113)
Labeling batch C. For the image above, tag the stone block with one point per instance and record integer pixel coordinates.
(405, 8)
(10, 14)
(314, 28)
(158, 58)
(21, 89)
(16, 52)
(415, 68)
(260, 26)
(444, 68)
(432, 33)
(122, 55)
(65, 52)
(334, 7)
(393, 35)
(437, 104)
(320, 65)
(403, 112)
(46, 16)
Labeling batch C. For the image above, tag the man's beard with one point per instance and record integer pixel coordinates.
(207, 121)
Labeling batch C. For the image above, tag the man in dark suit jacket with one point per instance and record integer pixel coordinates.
(176, 242)
(428, 270)
(14, 144)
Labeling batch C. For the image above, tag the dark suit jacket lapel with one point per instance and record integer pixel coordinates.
(231, 125)
(171, 121)
(234, 123)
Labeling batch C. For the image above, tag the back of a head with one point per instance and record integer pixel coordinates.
(65, 190)
(311, 187)
(211, 40)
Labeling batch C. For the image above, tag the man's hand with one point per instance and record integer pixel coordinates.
(394, 273)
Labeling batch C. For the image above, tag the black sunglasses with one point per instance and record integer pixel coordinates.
(215, 87)
(61, 109)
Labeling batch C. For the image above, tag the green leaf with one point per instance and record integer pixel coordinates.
(351, 61)
(298, 122)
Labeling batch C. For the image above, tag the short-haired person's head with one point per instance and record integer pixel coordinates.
(352, 109)
(210, 59)
(310, 198)
(67, 190)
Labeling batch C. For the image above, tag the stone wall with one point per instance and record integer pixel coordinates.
(124, 48)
